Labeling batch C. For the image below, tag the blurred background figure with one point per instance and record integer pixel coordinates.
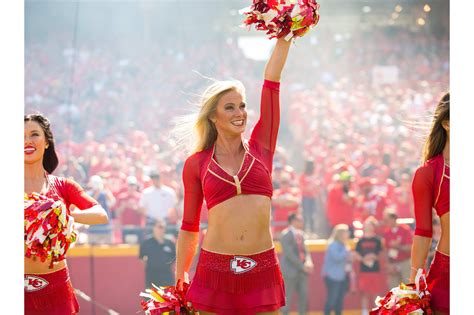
(334, 271)
(341, 201)
(129, 217)
(311, 203)
(158, 252)
(286, 199)
(398, 239)
(296, 263)
(403, 197)
(367, 252)
(157, 201)
(101, 233)
(371, 202)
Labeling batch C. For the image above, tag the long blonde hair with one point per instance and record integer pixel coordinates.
(337, 233)
(196, 132)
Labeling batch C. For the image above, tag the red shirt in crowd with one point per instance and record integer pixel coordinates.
(398, 236)
(127, 202)
(280, 213)
(403, 200)
(309, 185)
(372, 205)
(340, 207)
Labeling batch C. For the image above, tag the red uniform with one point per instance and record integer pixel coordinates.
(340, 208)
(52, 293)
(203, 178)
(431, 190)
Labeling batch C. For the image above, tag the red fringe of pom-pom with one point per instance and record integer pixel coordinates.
(282, 18)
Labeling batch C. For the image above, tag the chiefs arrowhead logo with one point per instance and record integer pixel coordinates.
(242, 264)
(33, 283)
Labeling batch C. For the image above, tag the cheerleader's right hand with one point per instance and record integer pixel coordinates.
(181, 279)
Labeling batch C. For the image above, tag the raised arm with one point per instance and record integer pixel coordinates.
(266, 130)
(422, 188)
(277, 60)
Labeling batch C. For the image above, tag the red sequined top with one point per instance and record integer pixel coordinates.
(430, 190)
(203, 178)
(69, 192)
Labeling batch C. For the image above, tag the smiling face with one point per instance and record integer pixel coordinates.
(230, 117)
(35, 143)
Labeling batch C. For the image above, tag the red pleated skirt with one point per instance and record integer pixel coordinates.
(438, 282)
(50, 294)
(237, 284)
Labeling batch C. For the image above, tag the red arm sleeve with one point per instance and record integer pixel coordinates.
(77, 196)
(265, 131)
(193, 195)
(422, 188)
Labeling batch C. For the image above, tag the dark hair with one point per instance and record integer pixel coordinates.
(50, 158)
(292, 217)
(308, 167)
(392, 215)
(437, 137)
(154, 174)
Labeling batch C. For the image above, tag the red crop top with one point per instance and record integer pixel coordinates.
(430, 190)
(203, 178)
(69, 192)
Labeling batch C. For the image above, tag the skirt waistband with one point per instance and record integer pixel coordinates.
(237, 273)
(45, 282)
(227, 262)
(441, 256)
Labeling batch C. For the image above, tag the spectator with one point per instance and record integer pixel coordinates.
(403, 197)
(132, 221)
(101, 233)
(310, 190)
(341, 201)
(157, 201)
(334, 271)
(158, 251)
(372, 203)
(367, 252)
(296, 263)
(286, 200)
(398, 239)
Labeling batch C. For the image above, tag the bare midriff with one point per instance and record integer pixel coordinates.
(240, 225)
(443, 244)
(34, 265)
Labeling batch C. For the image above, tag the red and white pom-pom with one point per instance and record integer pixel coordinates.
(282, 18)
(166, 299)
(48, 228)
(413, 298)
